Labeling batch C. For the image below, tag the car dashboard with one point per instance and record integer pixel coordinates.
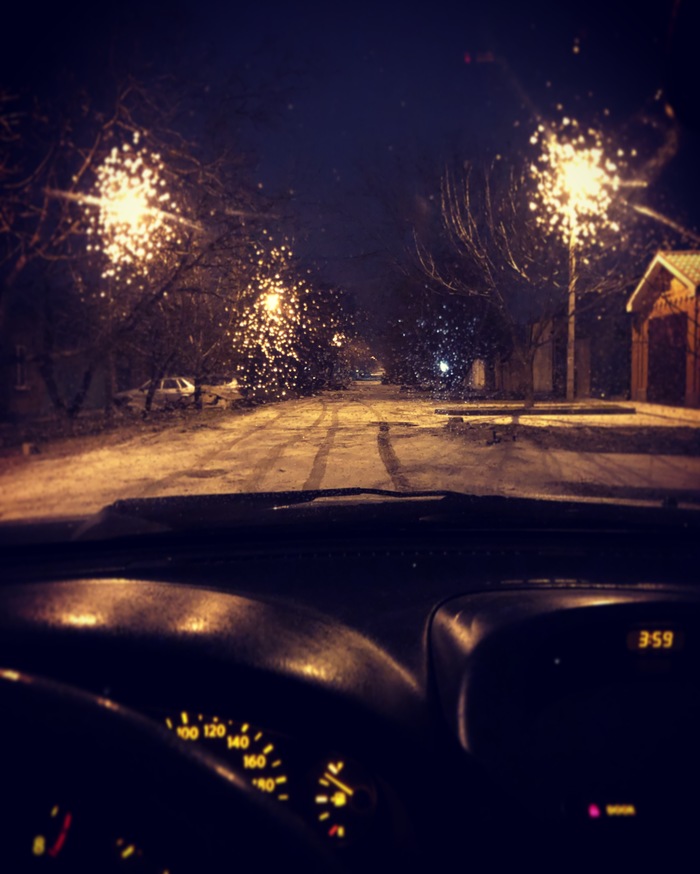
(410, 696)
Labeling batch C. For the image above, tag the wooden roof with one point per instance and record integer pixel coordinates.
(683, 265)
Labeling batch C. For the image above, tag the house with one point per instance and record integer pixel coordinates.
(24, 393)
(665, 341)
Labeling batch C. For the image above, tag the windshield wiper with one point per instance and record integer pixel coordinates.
(344, 511)
(163, 515)
(159, 515)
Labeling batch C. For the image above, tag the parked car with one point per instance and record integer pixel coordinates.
(223, 387)
(169, 391)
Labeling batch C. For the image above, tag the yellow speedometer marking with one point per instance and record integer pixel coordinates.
(245, 727)
(129, 851)
(268, 749)
(276, 764)
(324, 815)
(184, 717)
(258, 736)
(169, 722)
(321, 799)
(324, 782)
(283, 797)
(281, 780)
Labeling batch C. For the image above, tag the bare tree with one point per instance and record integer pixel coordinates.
(97, 286)
(492, 247)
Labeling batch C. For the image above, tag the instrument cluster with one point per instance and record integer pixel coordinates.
(334, 793)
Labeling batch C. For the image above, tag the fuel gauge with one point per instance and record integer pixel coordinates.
(345, 800)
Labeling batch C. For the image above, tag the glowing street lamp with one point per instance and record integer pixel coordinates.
(575, 188)
(134, 218)
(271, 302)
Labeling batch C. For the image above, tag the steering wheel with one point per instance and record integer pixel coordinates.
(91, 786)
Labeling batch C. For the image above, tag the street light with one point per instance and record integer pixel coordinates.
(134, 218)
(575, 188)
(271, 302)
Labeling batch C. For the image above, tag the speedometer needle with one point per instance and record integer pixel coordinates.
(346, 789)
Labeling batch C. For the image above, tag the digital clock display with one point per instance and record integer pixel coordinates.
(654, 638)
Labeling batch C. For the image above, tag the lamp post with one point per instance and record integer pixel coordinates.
(575, 187)
(571, 325)
(133, 224)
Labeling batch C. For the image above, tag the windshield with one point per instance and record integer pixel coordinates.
(287, 247)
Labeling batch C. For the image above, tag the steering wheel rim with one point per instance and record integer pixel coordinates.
(110, 781)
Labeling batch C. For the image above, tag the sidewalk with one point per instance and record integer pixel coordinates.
(585, 412)
(678, 415)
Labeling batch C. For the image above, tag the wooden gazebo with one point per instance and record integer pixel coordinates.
(665, 335)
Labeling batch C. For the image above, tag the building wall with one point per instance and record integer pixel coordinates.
(476, 378)
(640, 359)
(510, 376)
(23, 393)
(21, 385)
(542, 369)
(582, 367)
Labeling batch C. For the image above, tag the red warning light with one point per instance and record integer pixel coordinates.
(593, 811)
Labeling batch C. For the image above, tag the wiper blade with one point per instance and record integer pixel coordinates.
(306, 496)
(158, 515)
(440, 507)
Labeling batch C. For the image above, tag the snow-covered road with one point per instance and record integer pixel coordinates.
(371, 436)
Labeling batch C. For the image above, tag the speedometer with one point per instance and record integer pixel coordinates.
(249, 749)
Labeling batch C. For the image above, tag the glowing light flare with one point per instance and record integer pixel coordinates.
(129, 207)
(575, 183)
(289, 335)
(269, 333)
(129, 224)
(271, 302)
(275, 326)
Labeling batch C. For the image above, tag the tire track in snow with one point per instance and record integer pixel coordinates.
(318, 468)
(390, 459)
(157, 486)
(265, 465)
(387, 453)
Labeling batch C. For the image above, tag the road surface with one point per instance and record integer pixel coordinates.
(371, 435)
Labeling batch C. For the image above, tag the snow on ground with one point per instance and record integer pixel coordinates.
(370, 436)
(520, 467)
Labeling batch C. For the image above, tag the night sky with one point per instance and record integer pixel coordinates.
(370, 92)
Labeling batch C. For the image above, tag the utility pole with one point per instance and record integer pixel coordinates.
(571, 323)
